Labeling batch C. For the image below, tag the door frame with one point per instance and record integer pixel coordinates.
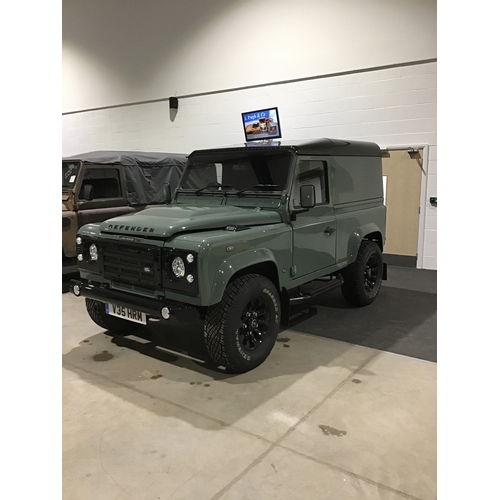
(423, 194)
(328, 207)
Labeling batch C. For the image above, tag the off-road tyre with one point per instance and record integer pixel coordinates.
(241, 330)
(363, 278)
(98, 315)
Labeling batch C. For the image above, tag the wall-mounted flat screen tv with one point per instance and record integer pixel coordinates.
(261, 125)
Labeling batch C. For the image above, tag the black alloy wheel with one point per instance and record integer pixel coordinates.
(371, 274)
(255, 321)
(363, 278)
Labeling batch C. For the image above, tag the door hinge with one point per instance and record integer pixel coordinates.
(293, 271)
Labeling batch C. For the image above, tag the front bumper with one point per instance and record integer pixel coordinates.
(152, 307)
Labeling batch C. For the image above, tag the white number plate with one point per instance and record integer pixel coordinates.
(126, 313)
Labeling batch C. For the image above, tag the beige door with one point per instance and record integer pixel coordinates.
(402, 180)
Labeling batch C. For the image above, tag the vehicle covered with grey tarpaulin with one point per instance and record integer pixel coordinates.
(98, 185)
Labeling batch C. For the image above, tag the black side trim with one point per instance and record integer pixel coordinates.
(326, 287)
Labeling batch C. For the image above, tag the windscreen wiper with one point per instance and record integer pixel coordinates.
(212, 185)
(249, 188)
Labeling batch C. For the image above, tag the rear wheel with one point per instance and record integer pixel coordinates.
(97, 312)
(241, 330)
(363, 278)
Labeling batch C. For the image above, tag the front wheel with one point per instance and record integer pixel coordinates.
(241, 330)
(363, 278)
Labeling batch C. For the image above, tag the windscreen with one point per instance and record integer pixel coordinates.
(234, 171)
(69, 173)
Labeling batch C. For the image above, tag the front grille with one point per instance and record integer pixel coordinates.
(135, 265)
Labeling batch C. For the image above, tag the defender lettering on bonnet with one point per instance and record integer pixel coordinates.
(133, 228)
(247, 228)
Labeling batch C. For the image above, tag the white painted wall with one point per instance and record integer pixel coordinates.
(116, 53)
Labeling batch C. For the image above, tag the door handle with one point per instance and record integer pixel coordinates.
(329, 230)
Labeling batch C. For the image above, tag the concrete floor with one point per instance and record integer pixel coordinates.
(320, 419)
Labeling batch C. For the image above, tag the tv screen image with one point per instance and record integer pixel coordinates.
(260, 125)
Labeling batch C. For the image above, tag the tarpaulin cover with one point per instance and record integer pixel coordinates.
(146, 173)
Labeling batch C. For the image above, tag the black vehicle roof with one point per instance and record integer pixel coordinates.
(335, 147)
(129, 158)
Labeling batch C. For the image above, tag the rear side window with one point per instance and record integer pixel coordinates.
(100, 183)
(313, 172)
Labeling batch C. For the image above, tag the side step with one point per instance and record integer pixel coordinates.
(329, 285)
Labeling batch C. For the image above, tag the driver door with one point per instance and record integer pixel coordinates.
(314, 231)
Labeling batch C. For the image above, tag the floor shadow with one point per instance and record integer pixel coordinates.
(174, 367)
(174, 343)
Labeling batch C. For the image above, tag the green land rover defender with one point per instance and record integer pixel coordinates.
(245, 230)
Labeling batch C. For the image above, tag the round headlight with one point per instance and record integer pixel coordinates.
(93, 252)
(78, 240)
(190, 257)
(178, 267)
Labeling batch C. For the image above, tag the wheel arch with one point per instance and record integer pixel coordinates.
(260, 261)
(368, 232)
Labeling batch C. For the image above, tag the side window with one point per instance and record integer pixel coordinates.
(99, 183)
(311, 172)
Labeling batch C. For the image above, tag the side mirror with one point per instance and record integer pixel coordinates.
(307, 196)
(167, 193)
